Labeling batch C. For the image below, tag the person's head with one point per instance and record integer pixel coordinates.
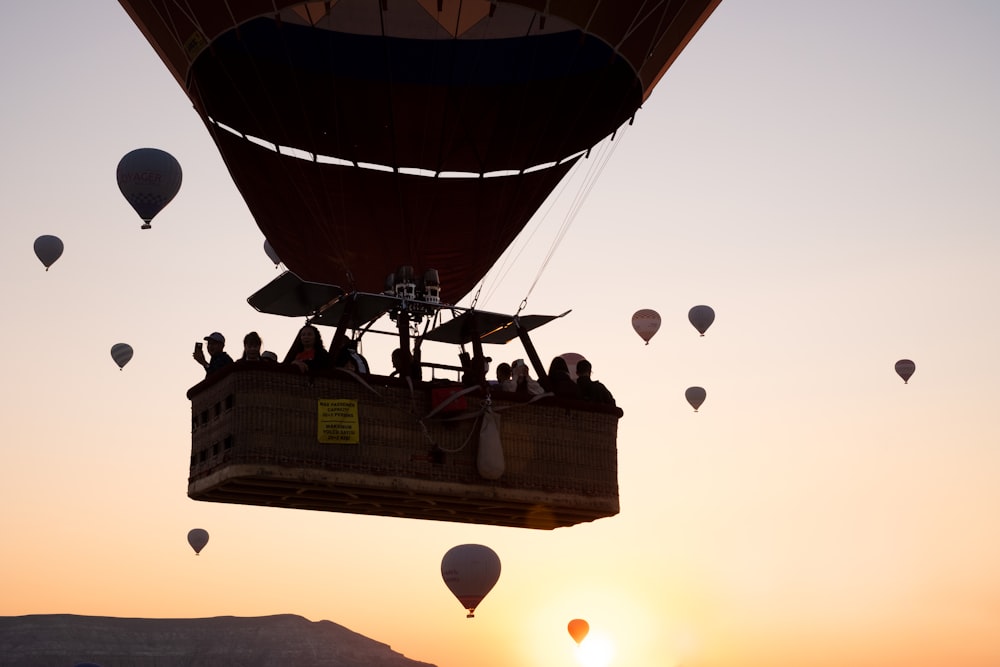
(268, 356)
(310, 337)
(503, 372)
(519, 368)
(251, 346)
(583, 368)
(558, 365)
(215, 343)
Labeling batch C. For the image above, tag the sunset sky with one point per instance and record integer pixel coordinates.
(825, 175)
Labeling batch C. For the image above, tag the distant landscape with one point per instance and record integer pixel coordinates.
(65, 640)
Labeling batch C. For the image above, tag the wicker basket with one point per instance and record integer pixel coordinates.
(256, 440)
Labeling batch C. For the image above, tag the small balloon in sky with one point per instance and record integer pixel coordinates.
(121, 353)
(149, 179)
(646, 323)
(701, 317)
(578, 629)
(470, 571)
(695, 396)
(48, 249)
(905, 369)
(197, 538)
(269, 251)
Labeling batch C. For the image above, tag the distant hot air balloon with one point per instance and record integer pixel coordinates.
(701, 317)
(149, 178)
(905, 368)
(572, 358)
(48, 249)
(578, 629)
(695, 396)
(121, 353)
(646, 323)
(271, 253)
(197, 538)
(470, 572)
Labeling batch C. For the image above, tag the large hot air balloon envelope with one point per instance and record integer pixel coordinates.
(197, 538)
(701, 317)
(365, 136)
(149, 178)
(470, 571)
(905, 368)
(578, 629)
(646, 323)
(121, 353)
(695, 396)
(48, 249)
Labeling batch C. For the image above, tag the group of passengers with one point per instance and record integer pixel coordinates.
(307, 353)
(516, 378)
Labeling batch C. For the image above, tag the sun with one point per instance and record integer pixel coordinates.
(596, 650)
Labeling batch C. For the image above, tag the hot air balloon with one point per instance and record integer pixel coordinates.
(469, 116)
(578, 629)
(470, 572)
(695, 396)
(646, 323)
(149, 178)
(197, 538)
(48, 249)
(413, 140)
(905, 368)
(269, 251)
(121, 353)
(701, 317)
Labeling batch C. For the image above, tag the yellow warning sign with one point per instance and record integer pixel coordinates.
(338, 421)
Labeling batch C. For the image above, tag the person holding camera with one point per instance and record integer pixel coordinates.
(218, 357)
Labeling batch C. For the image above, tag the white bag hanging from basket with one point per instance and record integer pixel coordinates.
(489, 458)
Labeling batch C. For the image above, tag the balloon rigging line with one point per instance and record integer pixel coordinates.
(579, 198)
(640, 17)
(604, 152)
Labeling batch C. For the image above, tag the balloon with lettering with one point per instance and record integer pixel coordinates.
(121, 353)
(695, 396)
(646, 323)
(470, 571)
(701, 317)
(149, 178)
(269, 251)
(197, 538)
(48, 249)
(905, 369)
(578, 629)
